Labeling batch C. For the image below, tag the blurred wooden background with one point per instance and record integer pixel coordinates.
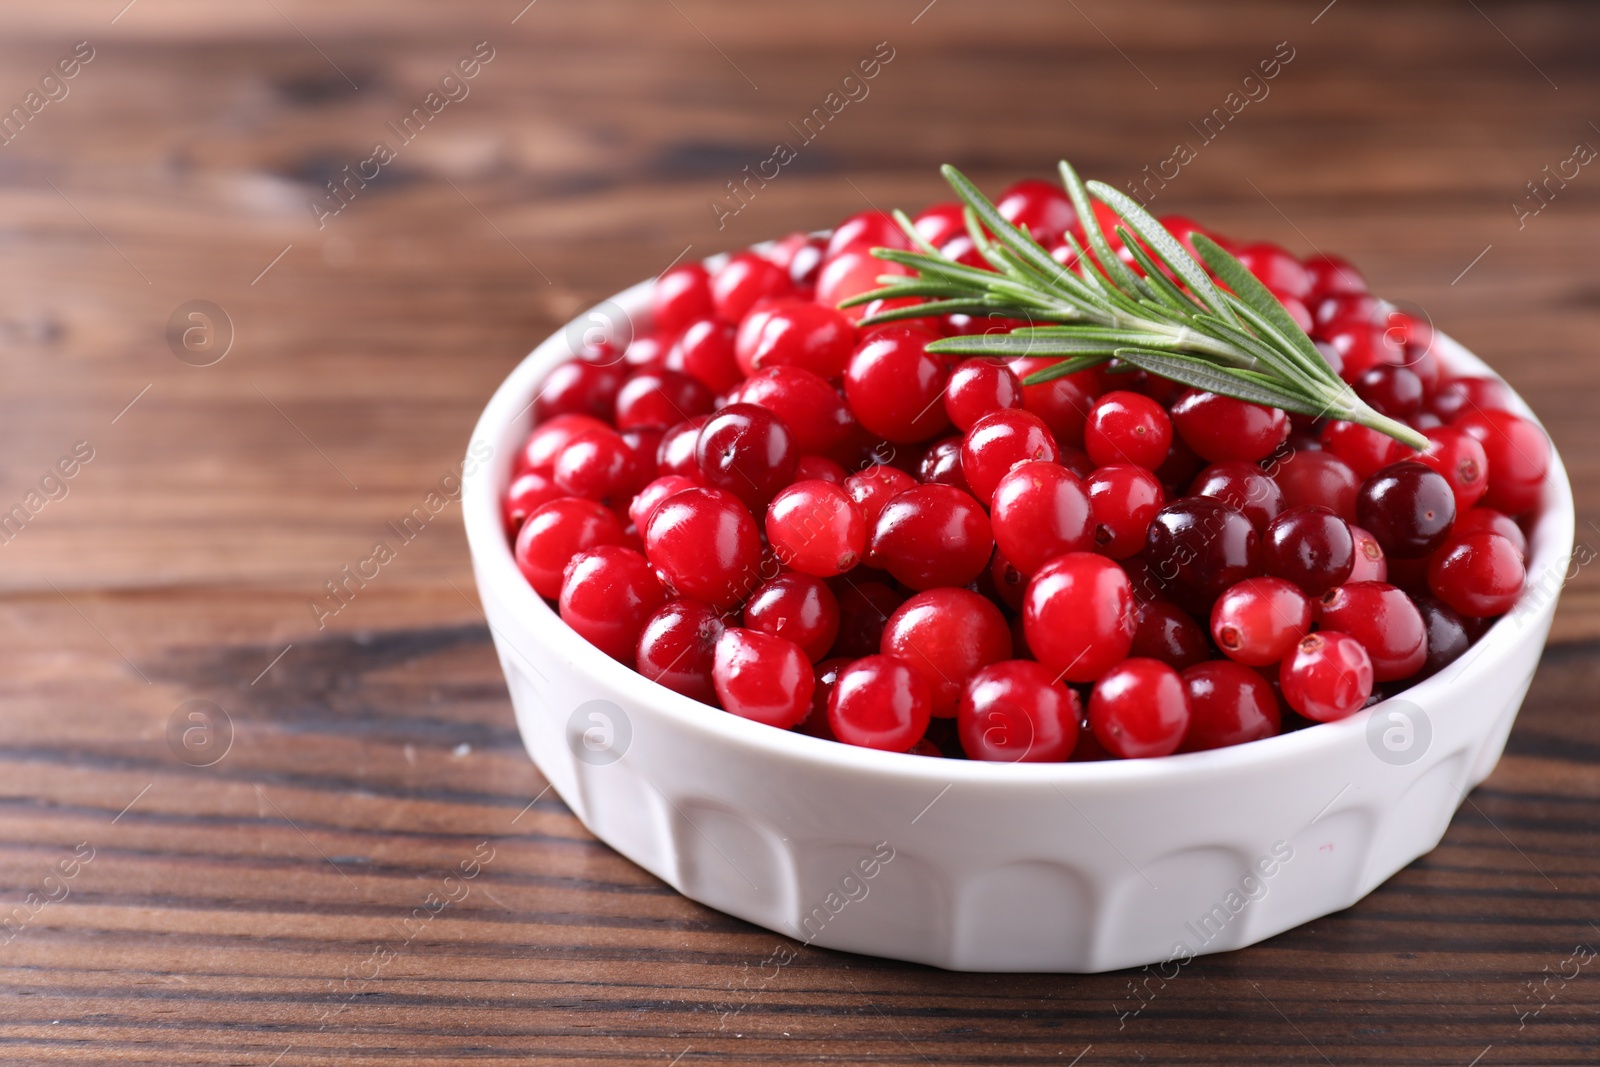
(229, 914)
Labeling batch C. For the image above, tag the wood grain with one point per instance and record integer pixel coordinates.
(230, 914)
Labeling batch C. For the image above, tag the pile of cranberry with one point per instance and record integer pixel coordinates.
(770, 508)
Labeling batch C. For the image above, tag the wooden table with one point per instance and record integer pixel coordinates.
(229, 914)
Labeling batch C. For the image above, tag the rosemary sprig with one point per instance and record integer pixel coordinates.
(1175, 322)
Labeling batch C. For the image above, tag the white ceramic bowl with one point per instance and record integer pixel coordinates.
(994, 867)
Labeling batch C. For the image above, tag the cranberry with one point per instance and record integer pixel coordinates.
(1365, 450)
(677, 648)
(660, 398)
(1015, 712)
(940, 222)
(826, 674)
(864, 610)
(1277, 269)
(801, 255)
(1319, 478)
(1311, 547)
(796, 333)
(1408, 508)
(1221, 428)
(1063, 403)
(1393, 391)
(1197, 547)
(598, 465)
(529, 491)
(648, 352)
(820, 469)
(1126, 427)
(579, 387)
(762, 677)
(947, 635)
(1078, 615)
(941, 463)
(675, 451)
(680, 296)
(747, 451)
(705, 546)
(1259, 621)
(865, 231)
(704, 351)
(1479, 575)
(1328, 677)
(1341, 309)
(799, 607)
(880, 702)
(933, 535)
(1040, 510)
(1229, 704)
(1244, 486)
(556, 532)
(978, 387)
(999, 441)
(1041, 207)
(547, 440)
(1447, 635)
(874, 487)
(1360, 347)
(895, 385)
(1168, 633)
(1010, 585)
(815, 529)
(1123, 500)
(1370, 563)
(1456, 455)
(1519, 458)
(809, 406)
(1384, 620)
(644, 504)
(1456, 397)
(608, 594)
(849, 274)
(1139, 709)
(1475, 519)
(743, 280)
(1333, 275)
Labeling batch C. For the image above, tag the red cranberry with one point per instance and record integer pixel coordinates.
(880, 702)
(1039, 511)
(762, 677)
(933, 535)
(1519, 458)
(1010, 584)
(947, 635)
(1277, 269)
(874, 487)
(1408, 508)
(809, 406)
(748, 451)
(1456, 397)
(680, 296)
(1078, 615)
(675, 451)
(1476, 519)
(1015, 712)
(864, 610)
(660, 398)
(849, 274)
(800, 255)
(1317, 478)
(1366, 450)
(866, 231)
(644, 504)
(556, 532)
(1168, 633)
(1244, 486)
(1258, 621)
(1311, 547)
(1229, 704)
(1123, 500)
(1041, 207)
(895, 385)
(608, 594)
(743, 280)
(1139, 709)
(1341, 309)
(1220, 428)
(1063, 403)
(704, 351)
(598, 465)
(826, 673)
(998, 442)
(796, 333)
(941, 463)
(820, 469)
(1479, 575)
(529, 491)
(1458, 456)
(1328, 677)
(815, 529)
(1370, 563)
(1448, 638)
(1393, 391)
(677, 648)
(1197, 547)
(1333, 275)
(549, 438)
(705, 546)
(978, 387)
(1360, 347)
(1384, 620)
(1126, 427)
(940, 222)
(796, 606)
(579, 387)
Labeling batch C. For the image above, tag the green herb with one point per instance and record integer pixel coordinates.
(1176, 323)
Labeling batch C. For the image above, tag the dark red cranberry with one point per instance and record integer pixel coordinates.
(1321, 479)
(1393, 391)
(1168, 633)
(941, 463)
(1197, 547)
(748, 451)
(1311, 547)
(677, 648)
(1229, 704)
(1408, 508)
(864, 610)
(1244, 486)
(1456, 397)
(1456, 455)
(660, 398)
(580, 387)
(1448, 638)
